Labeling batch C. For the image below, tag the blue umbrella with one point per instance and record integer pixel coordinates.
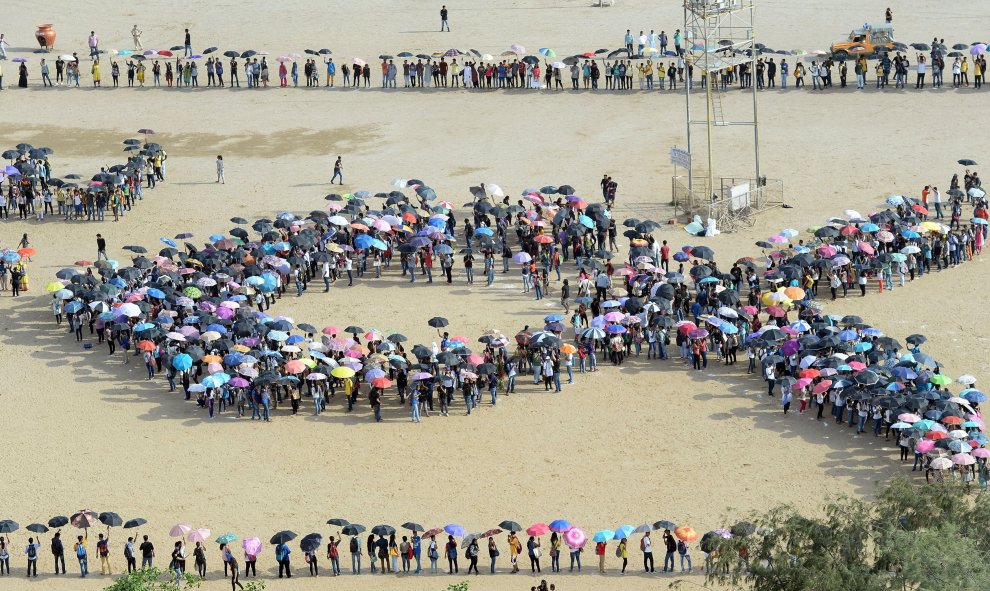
(144, 326)
(861, 347)
(155, 293)
(118, 282)
(604, 535)
(616, 329)
(910, 234)
(283, 246)
(11, 257)
(182, 362)
(484, 232)
(217, 328)
(234, 358)
(169, 242)
(73, 307)
(372, 374)
(848, 335)
(379, 244)
(905, 373)
(363, 241)
(444, 249)
(438, 223)
(216, 237)
(454, 530)
(293, 339)
(560, 525)
(278, 335)
(586, 221)
(728, 328)
(971, 395)
(105, 316)
(624, 531)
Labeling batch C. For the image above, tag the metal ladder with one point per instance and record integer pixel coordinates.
(717, 117)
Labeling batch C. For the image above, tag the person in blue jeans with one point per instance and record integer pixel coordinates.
(685, 555)
(80, 548)
(671, 545)
(417, 545)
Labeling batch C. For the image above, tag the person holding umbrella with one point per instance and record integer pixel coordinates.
(103, 551)
(32, 557)
(58, 552)
(4, 557)
(80, 548)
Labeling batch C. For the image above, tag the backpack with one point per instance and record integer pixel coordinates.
(80, 550)
(618, 551)
(354, 545)
(32, 552)
(280, 553)
(681, 547)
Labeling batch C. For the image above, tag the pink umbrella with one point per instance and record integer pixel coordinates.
(381, 225)
(827, 251)
(475, 359)
(252, 546)
(538, 529)
(239, 383)
(200, 534)
(857, 365)
(225, 313)
(981, 453)
(963, 459)
(575, 537)
(614, 317)
(214, 367)
(925, 446)
(179, 530)
(908, 417)
(863, 246)
(359, 62)
(822, 386)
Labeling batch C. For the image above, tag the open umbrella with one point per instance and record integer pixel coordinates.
(136, 522)
(84, 519)
(283, 537)
(110, 519)
(511, 526)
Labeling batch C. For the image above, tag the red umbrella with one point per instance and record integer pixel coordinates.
(543, 239)
(381, 382)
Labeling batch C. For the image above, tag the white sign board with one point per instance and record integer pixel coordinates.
(739, 197)
(679, 157)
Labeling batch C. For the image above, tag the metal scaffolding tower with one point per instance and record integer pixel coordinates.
(719, 34)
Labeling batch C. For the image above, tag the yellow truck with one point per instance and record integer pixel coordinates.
(866, 39)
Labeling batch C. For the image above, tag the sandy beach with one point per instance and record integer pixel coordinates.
(639, 443)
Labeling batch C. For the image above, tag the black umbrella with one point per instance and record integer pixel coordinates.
(353, 529)
(232, 53)
(110, 519)
(412, 526)
(136, 522)
(703, 252)
(510, 526)
(353, 329)
(311, 542)
(967, 162)
(8, 526)
(338, 521)
(38, 528)
(383, 530)
(438, 322)
(209, 50)
(248, 53)
(743, 529)
(664, 524)
(283, 537)
(58, 521)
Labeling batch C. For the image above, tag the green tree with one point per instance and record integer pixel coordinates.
(907, 538)
(154, 579)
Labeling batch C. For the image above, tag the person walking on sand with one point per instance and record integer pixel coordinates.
(136, 34)
(443, 18)
(188, 45)
(338, 171)
(94, 45)
(220, 178)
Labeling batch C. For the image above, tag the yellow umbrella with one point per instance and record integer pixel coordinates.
(342, 372)
(309, 362)
(54, 286)
(241, 348)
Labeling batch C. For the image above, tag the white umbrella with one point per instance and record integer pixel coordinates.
(494, 189)
(515, 47)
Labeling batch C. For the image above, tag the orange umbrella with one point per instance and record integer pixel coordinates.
(84, 263)
(686, 533)
(146, 345)
(950, 420)
(212, 359)
(27, 252)
(568, 349)
(794, 293)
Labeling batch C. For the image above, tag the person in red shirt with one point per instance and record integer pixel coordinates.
(600, 552)
(665, 257)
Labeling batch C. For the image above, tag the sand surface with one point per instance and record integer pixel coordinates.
(645, 442)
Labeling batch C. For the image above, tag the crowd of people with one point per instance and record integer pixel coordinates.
(387, 551)
(34, 193)
(189, 314)
(645, 62)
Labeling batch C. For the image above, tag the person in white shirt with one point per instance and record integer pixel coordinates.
(646, 545)
(642, 43)
(814, 76)
(136, 34)
(937, 200)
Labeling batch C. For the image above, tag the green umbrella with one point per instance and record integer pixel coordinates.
(192, 292)
(226, 538)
